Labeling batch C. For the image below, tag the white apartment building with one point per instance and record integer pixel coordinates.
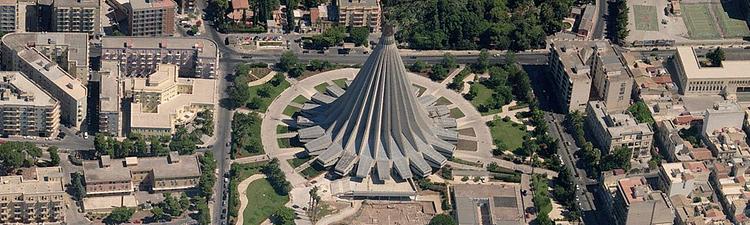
(36, 196)
(76, 16)
(25, 108)
(360, 13)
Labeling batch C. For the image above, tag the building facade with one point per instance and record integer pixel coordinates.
(360, 13)
(164, 100)
(150, 17)
(12, 16)
(57, 62)
(76, 16)
(635, 203)
(730, 79)
(25, 108)
(110, 99)
(196, 57)
(612, 82)
(571, 73)
(37, 196)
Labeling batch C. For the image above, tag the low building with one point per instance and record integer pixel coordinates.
(36, 196)
(33, 54)
(682, 178)
(637, 204)
(615, 130)
(110, 99)
(730, 79)
(241, 11)
(25, 108)
(108, 176)
(76, 16)
(163, 100)
(691, 212)
(730, 182)
(360, 13)
(139, 56)
(489, 204)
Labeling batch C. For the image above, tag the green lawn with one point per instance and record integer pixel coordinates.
(300, 100)
(290, 110)
(289, 142)
(281, 129)
(273, 91)
(340, 82)
(321, 87)
(262, 202)
(732, 27)
(699, 23)
(457, 113)
(240, 172)
(484, 94)
(312, 171)
(511, 135)
(297, 161)
(645, 18)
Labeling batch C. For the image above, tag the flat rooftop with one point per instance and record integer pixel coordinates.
(577, 55)
(77, 43)
(109, 91)
(488, 204)
(618, 124)
(34, 183)
(208, 47)
(160, 166)
(729, 69)
(148, 4)
(358, 3)
(22, 91)
(54, 73)
(76, 3)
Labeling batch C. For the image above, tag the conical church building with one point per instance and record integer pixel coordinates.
(377, 126)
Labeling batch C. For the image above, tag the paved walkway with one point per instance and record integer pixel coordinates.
(262, 80)
(251, 159)
(242, 188)
(453, 74)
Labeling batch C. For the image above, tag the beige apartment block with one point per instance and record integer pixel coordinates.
(108, 176)
(612, 82)
(571, 73)
(164, 100)
(110, 99)
(635, 203)
(36, 196)
(360, 13)
(139, 56)
(150, 17)
(36, 56)
(731, 79)
(76, 16)
(614, 130)
(25, 108)
(12, 16)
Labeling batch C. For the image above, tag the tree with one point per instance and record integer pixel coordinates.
(621, 20)
(439, 72)
(204, 216)
(183, 142)
(418, 66)
(119, 215)
(296, 71)
(442, 219)
(76, 186)
(156, 147)
(284, 216)
(171, 205)
(290, 5)
(619, 159)
(102, 144)
(54, 156)
(159, 215)
(483, 62)
(287, 61)
(449, 61)
(716, 56)
(359, 35)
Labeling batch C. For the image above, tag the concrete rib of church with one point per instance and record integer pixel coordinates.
(378, 123)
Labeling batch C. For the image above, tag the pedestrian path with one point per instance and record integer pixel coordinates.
(242, 188)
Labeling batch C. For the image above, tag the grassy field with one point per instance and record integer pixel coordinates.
(321, 87)
(289, 142)
(240, 172)
(299, 160)
(645, 18)
(484, 95)
(312, 171)
(290, 110)
(264, 202)
(340, 82)
(457, 113)
(281, 129)
(273, 91)
(300, 99)
(511, 135)
(699, 23)
(729, 21)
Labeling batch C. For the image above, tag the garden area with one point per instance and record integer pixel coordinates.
(507, 132)
(265, 202)
(246, 135)
(238, 173)
(258, 97)
(506, 82)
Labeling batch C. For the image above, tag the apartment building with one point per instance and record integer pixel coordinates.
(25, 108)
(669, 142)
(150, 17)
(612, 82)
(76, 16)
(730, 79)
(139, 56)
(705, 211)
(163, 100)
(30, 54)
(108, 176)
(683, 178)
(35, 196)
(12, 16)
(614, 130)
(722, 130)
(730, 182)
(360, 13)
(110, 99)
(571, 73)
(637, 204)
